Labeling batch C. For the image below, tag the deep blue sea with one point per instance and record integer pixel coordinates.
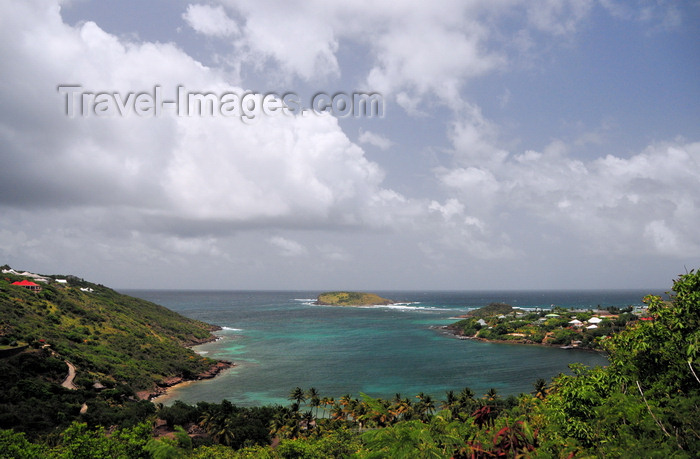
(279, 340)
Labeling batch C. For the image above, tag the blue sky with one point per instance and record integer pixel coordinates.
(548, 144)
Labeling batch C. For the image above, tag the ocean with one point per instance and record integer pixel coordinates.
(279, 340)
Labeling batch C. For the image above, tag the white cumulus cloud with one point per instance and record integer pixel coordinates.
(209, 20)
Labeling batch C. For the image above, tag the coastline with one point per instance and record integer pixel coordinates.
(173, 383)
(214, 370)
(451, 332)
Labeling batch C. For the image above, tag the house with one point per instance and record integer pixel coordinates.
(576, 323)
(481, 322)
(595, 320)
(36, 277)
(592, 326)
(62, 281)
(29, 285)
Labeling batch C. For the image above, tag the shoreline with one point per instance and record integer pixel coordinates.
(165, 387)
(162, 388)
(450, 332)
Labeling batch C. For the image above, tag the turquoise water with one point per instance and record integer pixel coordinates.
(279, 340)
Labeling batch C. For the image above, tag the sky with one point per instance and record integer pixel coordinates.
(546, 144)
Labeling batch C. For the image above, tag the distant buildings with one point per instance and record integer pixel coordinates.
(36, 277)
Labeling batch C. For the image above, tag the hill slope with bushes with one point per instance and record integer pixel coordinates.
(110, 337)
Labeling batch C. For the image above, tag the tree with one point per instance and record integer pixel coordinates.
(15, 445)
(297, 394)
(219, 425)
(647, 399)
(425, 406)
(491, 395)
(540, 388)
(314, 399)
(450, 401)
(661, 353)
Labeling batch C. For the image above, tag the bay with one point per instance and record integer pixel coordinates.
(280, 340)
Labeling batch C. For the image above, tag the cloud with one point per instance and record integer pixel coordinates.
(644, 203)
(376, 140)
(333, 252)
(658, 13)
(288, 247)
(558, 17)
(291, 35)
(420, 54)
(475, 139)
(137, 194)
(211, 21)
(175, 173)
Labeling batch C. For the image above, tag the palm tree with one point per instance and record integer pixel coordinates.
(429, 406)
(337, 412)
(465, 401)
(408, 410)
(314, 399)
(225, 432)
(218, 426)
(208, 421)
(325, 401)
(377, 411)
(540, 388)
(345, 402)
(308, 421)
(297, 394)
(466, 394)
(353, 408)
(360, 412)
(401, 408)
(491, 395)
(425, 406)
(450, 401)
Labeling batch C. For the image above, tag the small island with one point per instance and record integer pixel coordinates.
(351, 299)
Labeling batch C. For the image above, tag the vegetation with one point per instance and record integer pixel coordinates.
(119, 345)
(110, 337)
(350, 299)
(646, 403)
(492, 309)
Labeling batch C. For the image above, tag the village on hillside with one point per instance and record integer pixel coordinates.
(569, 329)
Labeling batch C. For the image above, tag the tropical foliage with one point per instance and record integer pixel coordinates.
(112, 338)
(645, 403)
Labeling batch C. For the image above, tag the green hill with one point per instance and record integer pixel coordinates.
(350, 299)
(110, 338)
(490, 310)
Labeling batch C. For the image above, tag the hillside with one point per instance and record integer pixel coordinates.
(493, 309)
(110, 338)
(350, 299)
(644, 403)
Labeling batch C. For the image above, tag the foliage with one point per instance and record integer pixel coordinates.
(492, 309)
(646, 403)
(109, 337)
(15, 445)
(78, 441)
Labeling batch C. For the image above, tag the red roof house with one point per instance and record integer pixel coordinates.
(28, 285)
